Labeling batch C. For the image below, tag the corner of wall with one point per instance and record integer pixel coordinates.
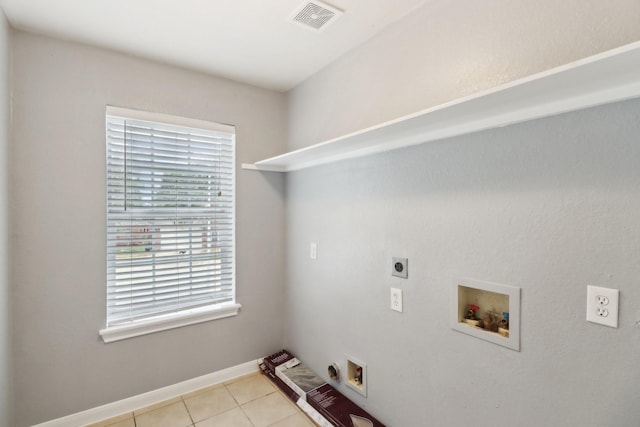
(6, 373)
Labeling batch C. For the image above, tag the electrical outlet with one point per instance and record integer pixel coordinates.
(400, 267)
(602, 305)
(396, 299)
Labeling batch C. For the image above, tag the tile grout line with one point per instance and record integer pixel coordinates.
(228, 388)
(193, 423)
(238, 405)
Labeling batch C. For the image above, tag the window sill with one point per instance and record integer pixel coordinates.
(162, 323)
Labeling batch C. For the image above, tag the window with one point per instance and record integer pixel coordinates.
(170, 222)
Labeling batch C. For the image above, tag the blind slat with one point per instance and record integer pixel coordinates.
(170, 218)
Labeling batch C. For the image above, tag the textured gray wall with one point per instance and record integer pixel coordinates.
(59, 95)
(550, 206)
(449, 49)
(5, 299)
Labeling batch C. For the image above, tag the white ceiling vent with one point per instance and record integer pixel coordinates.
(315, 15)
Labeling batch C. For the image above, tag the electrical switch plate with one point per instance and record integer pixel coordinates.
(396, 299)
(313, 250)
(602, 306)
(399, 267)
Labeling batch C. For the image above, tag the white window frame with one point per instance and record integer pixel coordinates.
(188, 316)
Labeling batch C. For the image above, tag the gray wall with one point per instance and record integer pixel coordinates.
(549, 206)
(59, 95)
(5, 300)
(448, 49)
(546, 206)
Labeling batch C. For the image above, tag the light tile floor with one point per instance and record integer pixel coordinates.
(250, 401)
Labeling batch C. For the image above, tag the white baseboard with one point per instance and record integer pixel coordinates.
(146, 399)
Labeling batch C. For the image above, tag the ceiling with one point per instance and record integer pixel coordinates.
(252, 41)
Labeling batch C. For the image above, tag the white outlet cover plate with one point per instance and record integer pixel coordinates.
(313, 250)
(602, 306)
(396, 299)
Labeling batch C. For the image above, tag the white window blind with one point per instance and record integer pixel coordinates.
(170, 215)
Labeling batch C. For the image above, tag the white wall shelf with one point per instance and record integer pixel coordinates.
(604, 78)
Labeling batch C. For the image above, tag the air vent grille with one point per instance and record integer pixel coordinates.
(315, 15)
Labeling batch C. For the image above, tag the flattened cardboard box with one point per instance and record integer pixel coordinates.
(324, 404)
(299, 377)
(276, 359)
(339, 410)
(279, 383)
